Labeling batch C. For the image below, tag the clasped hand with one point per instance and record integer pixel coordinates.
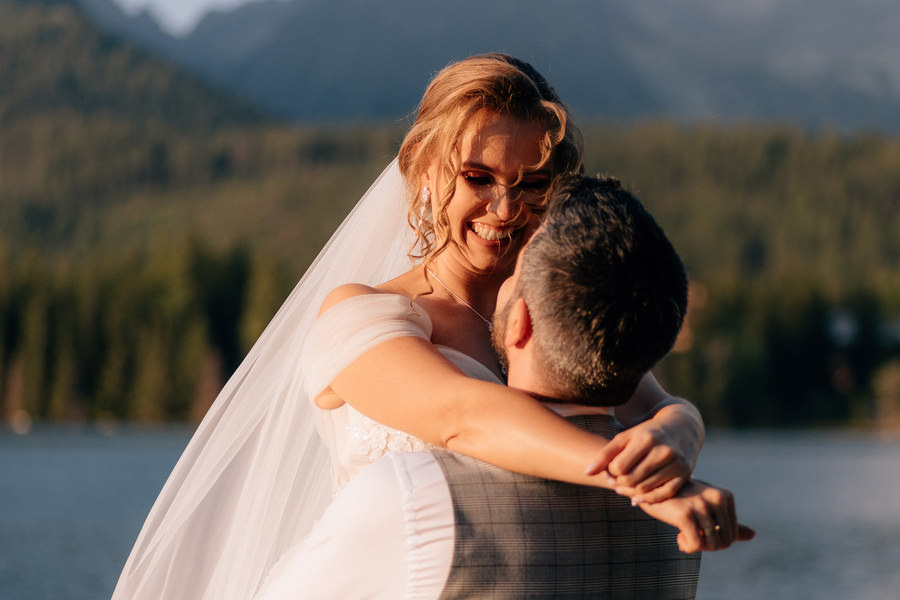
(653, 468)
(647, 462)
(704, 515)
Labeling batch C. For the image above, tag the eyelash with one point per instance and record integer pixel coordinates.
(485, 180)
(479, 180)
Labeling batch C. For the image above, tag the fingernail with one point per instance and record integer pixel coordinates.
(592, 467)
(637, 500)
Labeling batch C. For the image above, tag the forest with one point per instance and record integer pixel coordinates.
(137, 267)
(149, 229)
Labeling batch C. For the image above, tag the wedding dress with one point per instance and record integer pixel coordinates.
(256, 476)
(340, 335)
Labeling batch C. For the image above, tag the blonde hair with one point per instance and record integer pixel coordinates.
(488, 82)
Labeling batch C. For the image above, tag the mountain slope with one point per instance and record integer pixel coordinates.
(761, 60)
(54, 62)
(368, 60)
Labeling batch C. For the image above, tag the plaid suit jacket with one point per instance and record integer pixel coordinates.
(524, 537)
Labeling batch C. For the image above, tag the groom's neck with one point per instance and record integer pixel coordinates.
(525, 372)
(527, 377)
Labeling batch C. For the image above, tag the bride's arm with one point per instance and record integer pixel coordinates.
(657, 452)
(405, 383)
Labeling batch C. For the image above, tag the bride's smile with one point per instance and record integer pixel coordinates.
(491, 233)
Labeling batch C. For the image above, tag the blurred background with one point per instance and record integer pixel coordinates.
(169, 168)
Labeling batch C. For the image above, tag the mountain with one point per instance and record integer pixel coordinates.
(56, 63)
(835, 65)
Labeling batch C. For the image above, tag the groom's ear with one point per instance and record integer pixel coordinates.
(518, 325)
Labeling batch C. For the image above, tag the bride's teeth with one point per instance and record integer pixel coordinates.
(489, 233)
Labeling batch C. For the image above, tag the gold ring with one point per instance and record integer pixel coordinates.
(711, 531)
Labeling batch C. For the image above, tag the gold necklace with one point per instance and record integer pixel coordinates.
(452, 293)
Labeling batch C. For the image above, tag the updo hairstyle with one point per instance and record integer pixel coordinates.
(493, 82)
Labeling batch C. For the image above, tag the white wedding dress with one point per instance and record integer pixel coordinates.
(256, 475)
(355, 441)
(339, 336)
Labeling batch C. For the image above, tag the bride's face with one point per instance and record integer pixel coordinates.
(490, 214)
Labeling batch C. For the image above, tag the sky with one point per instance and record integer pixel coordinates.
(178, 17)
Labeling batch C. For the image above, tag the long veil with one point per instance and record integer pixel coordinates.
(255, 476)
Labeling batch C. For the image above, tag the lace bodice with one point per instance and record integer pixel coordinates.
(358, 441)
(338, 337)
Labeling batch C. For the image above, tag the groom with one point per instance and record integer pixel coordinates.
(597, 298)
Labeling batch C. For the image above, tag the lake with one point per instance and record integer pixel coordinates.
(826, 507)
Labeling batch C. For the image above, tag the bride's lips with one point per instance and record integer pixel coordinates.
(491, 233)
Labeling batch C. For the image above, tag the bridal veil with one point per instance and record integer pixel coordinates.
(255, 476)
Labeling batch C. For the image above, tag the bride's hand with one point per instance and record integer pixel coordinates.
(648, 462)
(704, 515)
(656, 453)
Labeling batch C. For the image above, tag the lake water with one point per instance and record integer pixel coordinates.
(826, 508)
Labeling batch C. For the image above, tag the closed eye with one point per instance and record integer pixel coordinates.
(478, 178)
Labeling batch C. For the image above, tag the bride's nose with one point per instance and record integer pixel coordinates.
(503, 203)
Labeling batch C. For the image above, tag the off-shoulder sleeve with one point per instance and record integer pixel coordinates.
(350, 328)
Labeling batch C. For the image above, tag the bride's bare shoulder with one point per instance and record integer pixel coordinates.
(343, 292)
(407, 284)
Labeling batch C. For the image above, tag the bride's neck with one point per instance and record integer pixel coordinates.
(480, 291)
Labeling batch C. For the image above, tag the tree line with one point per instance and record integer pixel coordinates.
(138, 264)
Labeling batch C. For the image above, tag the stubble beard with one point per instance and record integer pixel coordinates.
(498, 333)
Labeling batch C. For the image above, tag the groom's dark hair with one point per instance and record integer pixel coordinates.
(606, 291)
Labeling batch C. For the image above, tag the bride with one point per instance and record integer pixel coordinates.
(370, 345)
